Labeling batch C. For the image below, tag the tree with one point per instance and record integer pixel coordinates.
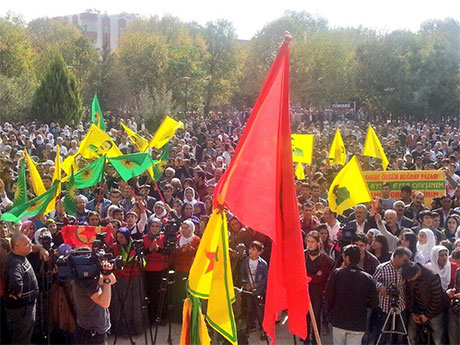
(221, 62)
(58, 98)
(16, 95)
(153, 107)
(144, 58)
(77, 50)
(16, 54)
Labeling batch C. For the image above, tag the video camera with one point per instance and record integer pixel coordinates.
(393, 294)
(45, 239)
(170, 234)
(348, 236)
(83, 263)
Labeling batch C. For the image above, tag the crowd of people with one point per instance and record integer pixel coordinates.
(354, 260)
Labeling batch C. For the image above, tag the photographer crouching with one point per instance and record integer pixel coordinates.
(92, 300)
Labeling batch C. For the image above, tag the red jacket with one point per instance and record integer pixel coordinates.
(182, 261)
(155, 260)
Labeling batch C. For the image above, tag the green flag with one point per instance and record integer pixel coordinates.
(96, 113)
(70, 198)
(159, 165)
(20, 194)
(131, 165)
(33, 207)
(90, 175)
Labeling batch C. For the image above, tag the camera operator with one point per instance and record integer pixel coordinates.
(92, 300)
(387, 276)
(426, 302)
(349, 292)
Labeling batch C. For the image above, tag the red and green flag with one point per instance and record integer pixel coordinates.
(96, 114)
(20, 194)
(90, 175)
(160, 164)
(33, 207)
(70, 198)
(131, 165)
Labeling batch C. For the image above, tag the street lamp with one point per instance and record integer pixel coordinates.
(187, 80)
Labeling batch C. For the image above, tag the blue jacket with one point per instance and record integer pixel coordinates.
(261, 275)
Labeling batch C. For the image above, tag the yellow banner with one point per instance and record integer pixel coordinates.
(432, 183)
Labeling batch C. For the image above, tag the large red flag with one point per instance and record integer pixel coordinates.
(258, 187)
(84, 235)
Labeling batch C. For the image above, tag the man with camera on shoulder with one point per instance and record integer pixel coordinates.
(92, 300)
(426, 303)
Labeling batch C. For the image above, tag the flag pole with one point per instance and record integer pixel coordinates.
(313, 323)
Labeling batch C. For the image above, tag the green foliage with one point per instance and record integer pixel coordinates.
(58, 97)
(16, 54)
(163, 63)
(16, 94)
(154, 106)
(220, 63)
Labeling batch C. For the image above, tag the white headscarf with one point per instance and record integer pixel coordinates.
(444, 273)
(193, 201)
(184, 240)
(423, 255)
(163, 213)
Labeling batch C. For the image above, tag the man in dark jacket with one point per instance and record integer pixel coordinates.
(426, 301)
(21, 290)
(349, 292)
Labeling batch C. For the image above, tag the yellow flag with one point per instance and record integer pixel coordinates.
(348, 188)
(211, 277)
(97, 143)
(56, 177)
(140, 142)
(337, 153)
(35, 178)
(302, 147)
(165, 132)
(373, 148)
(299, 172)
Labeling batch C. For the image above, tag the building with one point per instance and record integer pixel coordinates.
(102, 29)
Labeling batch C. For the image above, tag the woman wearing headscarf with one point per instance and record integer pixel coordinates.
(186, 211)
(370, 236)
(156, 263)
(425, 243)
(159, 210)
(126, 314)
(199, 209)
(187, 243)
(189, 196)
(441, 265)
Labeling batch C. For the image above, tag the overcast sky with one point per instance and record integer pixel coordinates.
(249, 16)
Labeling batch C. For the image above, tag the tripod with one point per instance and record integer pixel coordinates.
(140, 260)
(121, 301)
(393, 314)
(45, 305)
(166, 281)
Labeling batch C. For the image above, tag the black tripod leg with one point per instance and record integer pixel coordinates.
(123, 315)
(163, 287)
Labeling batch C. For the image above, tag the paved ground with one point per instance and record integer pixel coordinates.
(283, 337)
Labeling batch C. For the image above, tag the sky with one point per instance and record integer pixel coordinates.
(250, 16)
